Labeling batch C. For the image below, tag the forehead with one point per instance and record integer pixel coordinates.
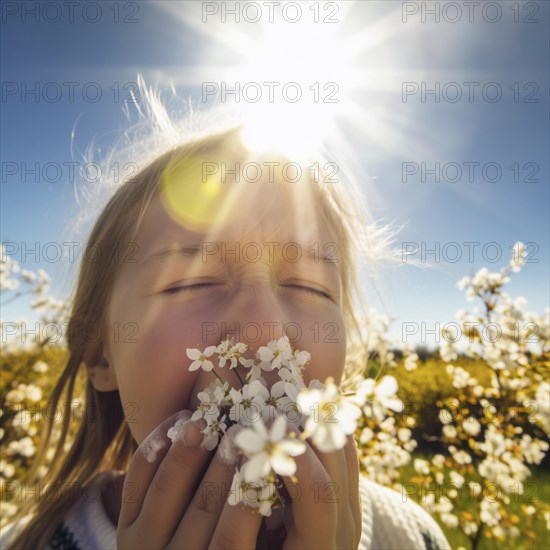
(260, 213)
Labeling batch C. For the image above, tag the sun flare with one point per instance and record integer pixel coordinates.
(292, 85)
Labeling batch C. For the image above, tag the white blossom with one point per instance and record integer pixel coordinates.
(200, 359)
(471, 426)
(33, 393)
(24, 447)
(228, 351)
(40, 367)
(277, 353)
(248, 403)
(213, 432)
(456, 479)
(421, 466)
(411, 362)
(449, 431)
(6, 469)
(331, 417)
(518, 256)
(256, 494)
(489, 512)
(268, 450)
(379, 397)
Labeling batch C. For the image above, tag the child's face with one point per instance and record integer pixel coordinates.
(256, 276)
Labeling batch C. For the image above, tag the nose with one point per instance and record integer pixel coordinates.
(255, 315)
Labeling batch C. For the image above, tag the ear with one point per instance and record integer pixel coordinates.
(100, 373)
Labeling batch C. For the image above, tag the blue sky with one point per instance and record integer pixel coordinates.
(172, 44)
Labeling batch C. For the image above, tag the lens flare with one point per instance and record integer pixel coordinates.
(193, 206)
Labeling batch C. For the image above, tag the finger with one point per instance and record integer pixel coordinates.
(336, 490)
(238, 527)
(349, 505)
(143, 466)
(314, 522)
(203, 513)
(343, 469)
(173, 484)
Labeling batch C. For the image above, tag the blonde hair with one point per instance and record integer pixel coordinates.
(105, 441)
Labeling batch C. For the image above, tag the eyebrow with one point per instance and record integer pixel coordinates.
(196, 249)
(187, 251)
(320, 258)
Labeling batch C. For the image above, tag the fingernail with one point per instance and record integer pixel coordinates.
(189, 432)
(152, 444)
(227, 450)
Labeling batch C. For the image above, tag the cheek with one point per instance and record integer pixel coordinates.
(152, 371)
(325, 339)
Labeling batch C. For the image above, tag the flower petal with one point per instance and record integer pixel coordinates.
(250, 441)
(193, 353)
(292, 447)
(256, 468)
(283, 464)
(387, 387)
(278, 429)
(265, 354)
(195, 365)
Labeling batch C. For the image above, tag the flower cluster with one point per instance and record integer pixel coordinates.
(270, 424)
(16, 283)
(384, 436)
(492, 429)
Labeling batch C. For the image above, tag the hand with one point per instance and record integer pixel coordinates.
(164, 506)
(169, 503)
(326, 510)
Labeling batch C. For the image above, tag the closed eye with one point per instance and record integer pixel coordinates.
(187, 288)
(311, 290)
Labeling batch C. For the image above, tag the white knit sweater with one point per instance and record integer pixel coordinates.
(390, 522)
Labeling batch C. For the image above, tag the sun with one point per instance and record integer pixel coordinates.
(315, 82)
(290, 83)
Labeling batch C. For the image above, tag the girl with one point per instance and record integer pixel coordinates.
(189, 252)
